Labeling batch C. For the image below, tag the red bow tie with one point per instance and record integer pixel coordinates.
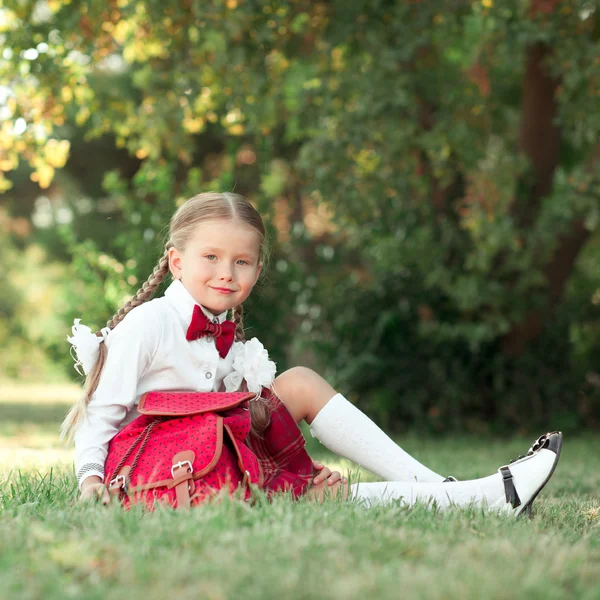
(201, 326)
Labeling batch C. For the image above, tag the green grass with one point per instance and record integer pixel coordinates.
(53, 547)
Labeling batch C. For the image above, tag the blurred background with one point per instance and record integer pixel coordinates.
(428, 172)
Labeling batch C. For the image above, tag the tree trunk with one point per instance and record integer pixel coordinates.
(557, 273)
(540, 140)
(559, 267)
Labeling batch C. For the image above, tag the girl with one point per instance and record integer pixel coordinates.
(182, 341)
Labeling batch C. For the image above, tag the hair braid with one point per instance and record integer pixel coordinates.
(77, 412)
(238, 319)
(261, 407)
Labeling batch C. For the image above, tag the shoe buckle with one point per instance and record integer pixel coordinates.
(505, 472)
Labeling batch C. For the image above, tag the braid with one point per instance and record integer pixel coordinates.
(261, 407)
(77, 412)
(238, 319)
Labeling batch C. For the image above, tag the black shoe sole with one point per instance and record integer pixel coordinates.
(555, 445)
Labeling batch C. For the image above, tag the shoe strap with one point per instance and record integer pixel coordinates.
(509, 487)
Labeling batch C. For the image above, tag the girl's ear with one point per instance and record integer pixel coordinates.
(175, 262)
(258, 270)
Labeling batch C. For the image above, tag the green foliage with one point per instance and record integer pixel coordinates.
(10, 298)
(429, 175)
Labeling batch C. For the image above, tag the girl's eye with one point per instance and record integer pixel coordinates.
(210, 256)
(241, 261)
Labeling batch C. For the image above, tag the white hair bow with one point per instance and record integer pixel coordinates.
(86, 345)
(250, 364)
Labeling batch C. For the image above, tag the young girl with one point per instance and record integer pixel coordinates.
(183, 341)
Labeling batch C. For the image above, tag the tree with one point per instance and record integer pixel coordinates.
(452, 151)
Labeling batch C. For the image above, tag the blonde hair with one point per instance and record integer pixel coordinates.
(203, 207)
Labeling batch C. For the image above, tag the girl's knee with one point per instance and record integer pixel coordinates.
(296, 376)
(300, 371)
(292, 389)
(303, 388)
(291, 383)
(303, 381)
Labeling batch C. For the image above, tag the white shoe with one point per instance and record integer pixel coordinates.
(525, 477)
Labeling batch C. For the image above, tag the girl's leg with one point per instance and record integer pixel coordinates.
(511, 490)
(344, 429)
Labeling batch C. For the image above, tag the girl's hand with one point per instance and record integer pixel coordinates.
(93, 489)
(322, 491)
(326, 474)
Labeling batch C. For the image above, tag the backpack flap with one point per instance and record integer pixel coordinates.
(195, 442)
(179, 404)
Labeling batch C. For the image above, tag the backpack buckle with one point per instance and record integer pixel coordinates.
(118, 483)
(180, 465)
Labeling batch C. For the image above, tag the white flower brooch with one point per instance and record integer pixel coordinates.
(251, 364)
(86, 344)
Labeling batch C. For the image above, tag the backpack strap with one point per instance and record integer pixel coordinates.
(119, 482)
(246, 480)
(183, 477)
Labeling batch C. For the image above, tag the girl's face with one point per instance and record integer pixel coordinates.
(220, 264)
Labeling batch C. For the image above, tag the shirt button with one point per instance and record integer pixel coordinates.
(208, 375)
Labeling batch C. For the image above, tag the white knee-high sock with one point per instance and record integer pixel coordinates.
(488, 491)
(528, 475)
(348, 432)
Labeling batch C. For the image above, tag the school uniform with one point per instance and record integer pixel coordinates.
(148, 351)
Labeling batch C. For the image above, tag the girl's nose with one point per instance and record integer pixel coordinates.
(226, 273)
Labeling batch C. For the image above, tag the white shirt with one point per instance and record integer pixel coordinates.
(147, 351)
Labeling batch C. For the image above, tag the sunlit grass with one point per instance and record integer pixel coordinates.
(53, 547)
(13, 392)
(30, 416)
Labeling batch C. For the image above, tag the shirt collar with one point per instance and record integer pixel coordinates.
(184, 303)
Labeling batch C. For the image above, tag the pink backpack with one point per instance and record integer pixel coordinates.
(185, 447)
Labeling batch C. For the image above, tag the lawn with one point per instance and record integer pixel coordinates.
(52, 547)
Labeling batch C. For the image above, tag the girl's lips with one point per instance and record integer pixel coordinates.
(223, 290)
